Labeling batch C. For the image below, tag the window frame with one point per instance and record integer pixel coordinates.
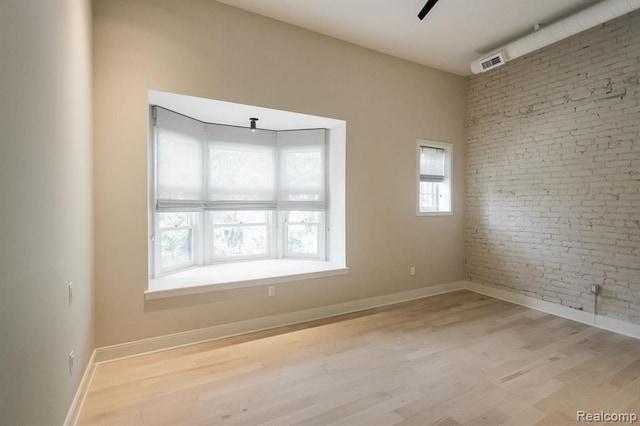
(447, 181)
(202, 236)
(194, 226)
(209, 226)
(321, 243)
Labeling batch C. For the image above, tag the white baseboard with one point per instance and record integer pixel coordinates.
(618, 326)
(600, 321)
(81, 393)
(155, 344)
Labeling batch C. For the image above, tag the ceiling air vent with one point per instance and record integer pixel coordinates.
(489, 62)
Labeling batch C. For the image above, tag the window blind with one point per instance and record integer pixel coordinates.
(301, 166)
(202, 166)
(179, 157)
(431, 164)
(241, 168)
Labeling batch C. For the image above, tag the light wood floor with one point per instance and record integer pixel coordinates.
(459, 358)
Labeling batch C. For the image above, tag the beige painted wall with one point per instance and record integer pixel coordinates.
(206, 49)
(46, 209)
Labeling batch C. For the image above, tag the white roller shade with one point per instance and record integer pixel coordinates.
(301, 165)
(431, 164)
(179, 157)
(241, 166)
(217, 167)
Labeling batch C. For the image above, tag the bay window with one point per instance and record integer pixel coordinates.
(224, 194)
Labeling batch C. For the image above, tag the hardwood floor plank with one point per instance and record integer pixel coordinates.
(492, 417)
(384, 410)
(526, 417)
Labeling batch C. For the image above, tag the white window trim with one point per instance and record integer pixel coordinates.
(221, 276)
(448, 147)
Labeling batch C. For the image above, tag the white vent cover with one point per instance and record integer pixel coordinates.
(489, 62)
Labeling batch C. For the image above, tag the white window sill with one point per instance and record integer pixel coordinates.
(435, 213)
(239, 275)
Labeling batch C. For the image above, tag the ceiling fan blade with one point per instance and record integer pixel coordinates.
(427, 7)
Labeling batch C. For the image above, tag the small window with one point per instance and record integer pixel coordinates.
(434, 178)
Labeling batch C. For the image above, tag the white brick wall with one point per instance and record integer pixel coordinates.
(553, 172)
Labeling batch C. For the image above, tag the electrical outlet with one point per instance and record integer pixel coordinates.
(413, 270)
(272, 290)
(71, 363)
(70, 293)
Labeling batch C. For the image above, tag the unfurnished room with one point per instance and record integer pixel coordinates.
(319, 212)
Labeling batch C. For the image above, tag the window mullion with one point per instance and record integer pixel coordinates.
(321, 232)
(157, 267)
(323, 228)
(203, 229)
(279, 232)
(277, 227)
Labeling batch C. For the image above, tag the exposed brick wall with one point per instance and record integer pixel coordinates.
(553, 172)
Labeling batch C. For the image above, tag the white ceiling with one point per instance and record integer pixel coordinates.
(453, 34)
